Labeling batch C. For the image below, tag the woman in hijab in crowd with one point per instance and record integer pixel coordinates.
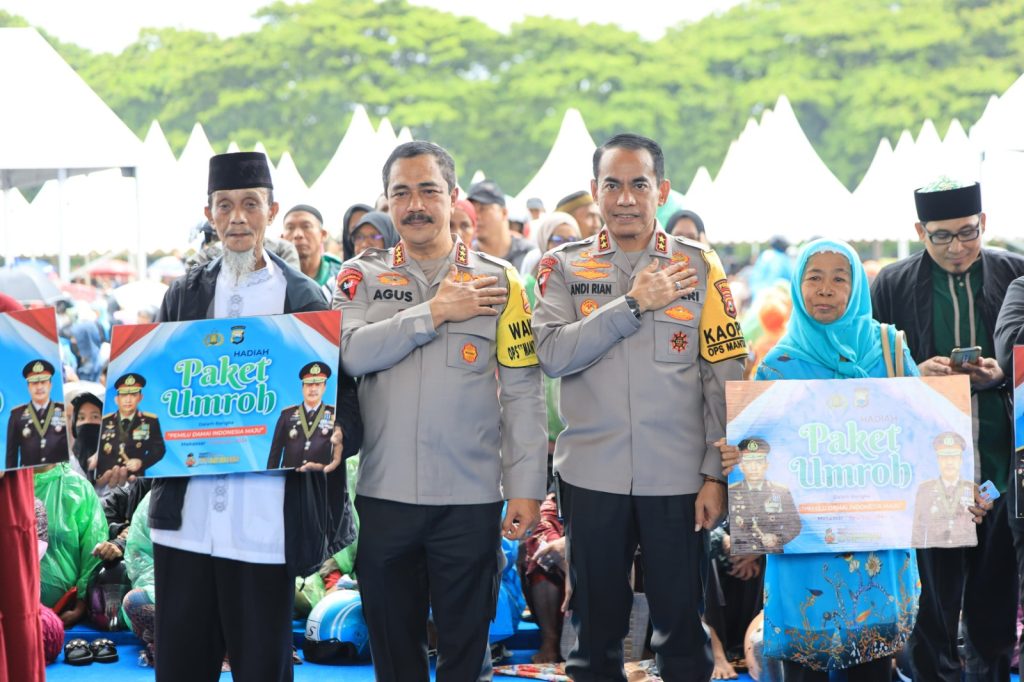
(553, 230)
(686, 224)
(463, 222)
(373, 231)
(355, 212)
(832, 335)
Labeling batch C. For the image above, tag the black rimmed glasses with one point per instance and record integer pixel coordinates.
(967, 234)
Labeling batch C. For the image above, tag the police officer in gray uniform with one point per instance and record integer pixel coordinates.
(37, 431)
(303, 432)
(454, 414)
(941, 516)
(641, 326)
(762, 515)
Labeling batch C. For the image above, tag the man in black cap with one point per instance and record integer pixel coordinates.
(219, 540)
(944, 297)
(303, 431)
(129, 438)
(493, 234)
(304, 228)
(36, 430)
(765, 510)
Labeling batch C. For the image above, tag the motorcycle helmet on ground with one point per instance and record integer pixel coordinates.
(336, 631)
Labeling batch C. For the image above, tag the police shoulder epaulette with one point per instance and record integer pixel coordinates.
(493, 260)
(109, 415)
(151, 415)
(573, 246)
(372, 251)
(686, 241)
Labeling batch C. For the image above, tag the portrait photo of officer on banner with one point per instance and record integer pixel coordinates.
(32, 390)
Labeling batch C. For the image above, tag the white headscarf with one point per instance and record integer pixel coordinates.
(549, 223)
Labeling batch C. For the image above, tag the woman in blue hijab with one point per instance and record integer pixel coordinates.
(832, 335)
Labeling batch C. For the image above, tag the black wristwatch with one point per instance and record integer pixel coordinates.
(634, 307)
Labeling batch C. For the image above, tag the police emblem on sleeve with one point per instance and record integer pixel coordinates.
(726, 293)
(348, 281)
(544, 269)
(678, 342)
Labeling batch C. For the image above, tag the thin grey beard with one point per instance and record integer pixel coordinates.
(240, 263)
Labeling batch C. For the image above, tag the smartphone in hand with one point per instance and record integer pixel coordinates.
(959, 356)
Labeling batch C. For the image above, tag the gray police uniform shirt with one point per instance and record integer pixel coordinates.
(643, 399)
(454, 415)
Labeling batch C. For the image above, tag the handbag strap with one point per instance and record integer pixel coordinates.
(899, 354)
(890, 371)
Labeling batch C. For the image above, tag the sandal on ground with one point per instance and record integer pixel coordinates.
(104, 650)
(77, 652)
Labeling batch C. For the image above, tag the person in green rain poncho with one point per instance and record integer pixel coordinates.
(76, 526)
(140, 603)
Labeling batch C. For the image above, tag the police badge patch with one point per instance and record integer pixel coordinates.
(726, 293)
(348, 281)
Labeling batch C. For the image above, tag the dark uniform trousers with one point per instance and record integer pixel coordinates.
(192, 637)
(984, 580)
(412, 556)
(602, 531)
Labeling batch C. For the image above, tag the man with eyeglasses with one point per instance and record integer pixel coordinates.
(304, 228)
(949, 296)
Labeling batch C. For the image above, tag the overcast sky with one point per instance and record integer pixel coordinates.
(110, 25)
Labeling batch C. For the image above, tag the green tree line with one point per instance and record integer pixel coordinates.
(855, 71)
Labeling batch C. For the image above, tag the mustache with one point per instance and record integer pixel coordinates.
(417, 216)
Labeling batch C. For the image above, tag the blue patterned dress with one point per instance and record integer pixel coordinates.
(835, 611)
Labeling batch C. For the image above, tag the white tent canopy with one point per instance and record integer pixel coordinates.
(67, 130)
(567, 168)
(67, 127)
(773, 182)
(352, 174)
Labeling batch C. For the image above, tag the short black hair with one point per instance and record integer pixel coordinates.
(633, 141)
(270, 197)
(408, 150)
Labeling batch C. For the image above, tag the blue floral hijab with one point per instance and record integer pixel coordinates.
(851, 346)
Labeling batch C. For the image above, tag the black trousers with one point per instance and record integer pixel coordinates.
(411, 556)
(878, 670)
(983, 580)
(206, 606)
(602, 531)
